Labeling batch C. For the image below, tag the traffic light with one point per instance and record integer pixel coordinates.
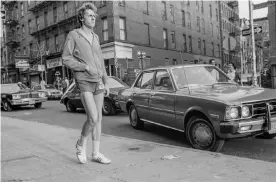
(3, 14)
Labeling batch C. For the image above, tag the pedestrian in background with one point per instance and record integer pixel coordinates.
(232, 74)
(82, 53)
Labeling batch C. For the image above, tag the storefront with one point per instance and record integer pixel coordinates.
(55, 69)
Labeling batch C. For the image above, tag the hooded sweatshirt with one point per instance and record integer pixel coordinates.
(78, 52)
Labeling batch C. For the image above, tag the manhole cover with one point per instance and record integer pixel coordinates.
(134, 148)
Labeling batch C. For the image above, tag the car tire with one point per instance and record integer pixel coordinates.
(38, 105)
(108, 108)
(201, 135)
(134, 119)
(7, 106)
(70, 107)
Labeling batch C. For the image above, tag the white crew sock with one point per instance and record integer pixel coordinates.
(95, 147)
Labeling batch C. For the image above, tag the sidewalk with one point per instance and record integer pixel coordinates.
(39, 152)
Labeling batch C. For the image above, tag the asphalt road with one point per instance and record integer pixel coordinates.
(53, 113)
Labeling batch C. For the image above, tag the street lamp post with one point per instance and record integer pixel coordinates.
(141, 55)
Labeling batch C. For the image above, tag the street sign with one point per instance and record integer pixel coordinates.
(247, 31)
(263, 5)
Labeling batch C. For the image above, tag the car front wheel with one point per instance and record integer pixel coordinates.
(134, 118)
(108, 109)
(7, 106)
(201, 135)
(70, 107)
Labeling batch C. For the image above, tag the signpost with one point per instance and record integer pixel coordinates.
(247, 31)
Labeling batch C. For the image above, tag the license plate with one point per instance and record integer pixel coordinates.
(31, 102)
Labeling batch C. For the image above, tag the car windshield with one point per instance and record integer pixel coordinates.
(115, 83)
(11, 88)
(199, 76)
(50, 87)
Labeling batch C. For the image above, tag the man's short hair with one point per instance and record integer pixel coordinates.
(82, 10)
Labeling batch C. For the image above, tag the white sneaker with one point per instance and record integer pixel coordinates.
(81, 153)
(100, 158)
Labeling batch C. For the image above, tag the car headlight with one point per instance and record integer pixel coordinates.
(232, 113)
(16, 96)
(41, 94)
(246, 111)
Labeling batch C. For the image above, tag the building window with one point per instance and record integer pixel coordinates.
(210, 6)
(172, 13)
(217, 32)
(29, 26)
(23, 32)
(199, 44)
(167, 61)
(217, 14)
(183, 18)
(24, 50)
(184, 43)
(174, 61)
(47, 43)
(55, 14)
(190, 44)
(122, 29)
(37, 23)
(204, 47)
(213, 49)
(45, 18)
(31, 50)
(165, 38)
(203, 26)
(212, 29)
(197, 5)
(173, 39)
(202, 6)
(189, 20)
(22, 9)
(164, 11)
(218, 50)
(148, 33)
(65, 8)
(56, 43)
(105, 28)
(198, 24)
(146, 10)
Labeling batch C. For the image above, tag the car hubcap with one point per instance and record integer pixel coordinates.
(202, 135)
(105, 107)
(133, 117)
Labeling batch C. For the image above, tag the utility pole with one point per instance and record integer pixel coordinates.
(254, 81)
(221, 35)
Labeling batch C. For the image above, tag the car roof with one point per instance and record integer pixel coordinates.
(177, 66)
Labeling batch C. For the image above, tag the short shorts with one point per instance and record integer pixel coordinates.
(94, 87)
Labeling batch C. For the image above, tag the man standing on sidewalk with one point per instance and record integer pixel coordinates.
(82, 53)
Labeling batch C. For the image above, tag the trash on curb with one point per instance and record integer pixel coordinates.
(170, 157)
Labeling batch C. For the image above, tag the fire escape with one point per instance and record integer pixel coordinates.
(53, 26)
(235, 31)
(11, 23)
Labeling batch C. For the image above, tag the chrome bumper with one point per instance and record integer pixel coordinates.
(248, 126)
(28, 101)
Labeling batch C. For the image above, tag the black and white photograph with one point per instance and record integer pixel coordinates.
(138, 91)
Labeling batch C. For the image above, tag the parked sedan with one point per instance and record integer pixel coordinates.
(50, 89)
(17, 94)
(71, 98)
(202, 102)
